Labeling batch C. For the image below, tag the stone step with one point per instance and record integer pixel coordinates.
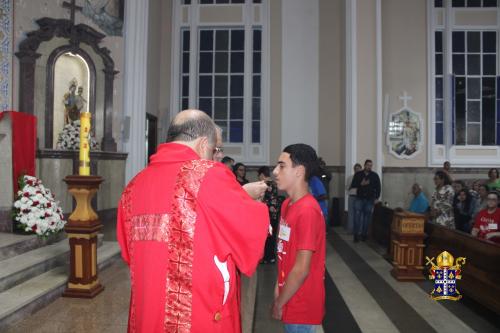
(26, 298)
(22, 267)
(12, 245)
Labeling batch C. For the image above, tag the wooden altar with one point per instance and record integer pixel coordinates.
(407, 246)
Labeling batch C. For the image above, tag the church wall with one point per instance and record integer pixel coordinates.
(113, 171)
(366, 92)
(275, 144)
(300, 72)
(404, 66)
(25, 14)
(52, 171)
(331, 135)
(154, 54)
(6, 196)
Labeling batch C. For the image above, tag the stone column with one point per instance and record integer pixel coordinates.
(135, 83)
(300, 75)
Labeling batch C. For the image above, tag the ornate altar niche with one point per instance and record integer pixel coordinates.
(55, 44)
(39, 55)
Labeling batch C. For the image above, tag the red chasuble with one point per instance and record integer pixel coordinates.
(185, 227)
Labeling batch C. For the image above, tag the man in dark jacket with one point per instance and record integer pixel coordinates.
(367, 185)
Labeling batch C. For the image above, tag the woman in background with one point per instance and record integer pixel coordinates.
(442, 201)
(240, 171)
(463, 210)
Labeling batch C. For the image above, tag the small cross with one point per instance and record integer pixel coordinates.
(405, 98)
(72, 9)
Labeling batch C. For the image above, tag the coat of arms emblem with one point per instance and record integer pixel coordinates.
(445, 275)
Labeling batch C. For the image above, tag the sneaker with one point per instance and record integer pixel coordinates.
(363, 238)
(356, 239)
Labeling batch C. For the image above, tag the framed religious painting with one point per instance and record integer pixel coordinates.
(404, 135)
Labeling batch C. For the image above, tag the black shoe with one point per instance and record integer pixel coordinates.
(363, 238)
(356, 239)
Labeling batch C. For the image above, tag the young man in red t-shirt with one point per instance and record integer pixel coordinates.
(487, 223)
(299, 296)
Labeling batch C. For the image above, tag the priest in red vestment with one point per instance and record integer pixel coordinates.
(185, 227)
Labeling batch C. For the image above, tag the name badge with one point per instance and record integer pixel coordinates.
(284, 233)
(492, 226)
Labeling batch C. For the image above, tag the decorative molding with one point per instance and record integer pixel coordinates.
(73, 154)
(453, 171)
(50, 28)
(49, 92)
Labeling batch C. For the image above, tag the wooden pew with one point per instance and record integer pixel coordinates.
(381, 225)
(481, 273)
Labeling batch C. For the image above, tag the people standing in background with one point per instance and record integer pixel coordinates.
(463, 210)
(494, 180)
(318, 191)
(240, 171)
(351, 198)
(447, 169)
(273, 202)
(367, 185)
(442, 201)
(419, 204)
(325, 175)
(228, 161)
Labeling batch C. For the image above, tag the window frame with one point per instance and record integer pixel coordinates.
(458, 155)
(187, 17)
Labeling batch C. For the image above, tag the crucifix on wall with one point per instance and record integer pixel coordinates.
(72, 9)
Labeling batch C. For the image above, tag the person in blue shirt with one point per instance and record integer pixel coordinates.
(317, 189)
(419, 204)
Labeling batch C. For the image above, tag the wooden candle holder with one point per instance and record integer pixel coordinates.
(82, 228)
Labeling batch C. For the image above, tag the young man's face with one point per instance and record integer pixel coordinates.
(492, 201)
(287, 176)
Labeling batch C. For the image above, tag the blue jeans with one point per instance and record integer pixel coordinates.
(363, 209)
(299, 328)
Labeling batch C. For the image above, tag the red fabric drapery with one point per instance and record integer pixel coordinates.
(23, 144)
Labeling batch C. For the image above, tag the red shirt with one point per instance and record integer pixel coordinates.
(306, 232)
(487, 223)
(185, 227)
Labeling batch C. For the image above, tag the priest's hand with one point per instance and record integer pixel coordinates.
(256, 189)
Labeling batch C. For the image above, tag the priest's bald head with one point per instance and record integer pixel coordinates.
(194, 128)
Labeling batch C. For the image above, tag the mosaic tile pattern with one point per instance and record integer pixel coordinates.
(5, 54)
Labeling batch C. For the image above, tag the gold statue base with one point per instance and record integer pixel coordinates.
(82, 228)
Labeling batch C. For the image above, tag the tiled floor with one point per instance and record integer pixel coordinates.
(361, 296)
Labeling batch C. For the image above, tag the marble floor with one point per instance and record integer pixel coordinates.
(361, 296)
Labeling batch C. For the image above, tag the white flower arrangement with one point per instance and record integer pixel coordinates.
(69, 138)
(36, 209)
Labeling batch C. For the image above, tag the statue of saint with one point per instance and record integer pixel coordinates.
(71, 112)
(73, 103)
